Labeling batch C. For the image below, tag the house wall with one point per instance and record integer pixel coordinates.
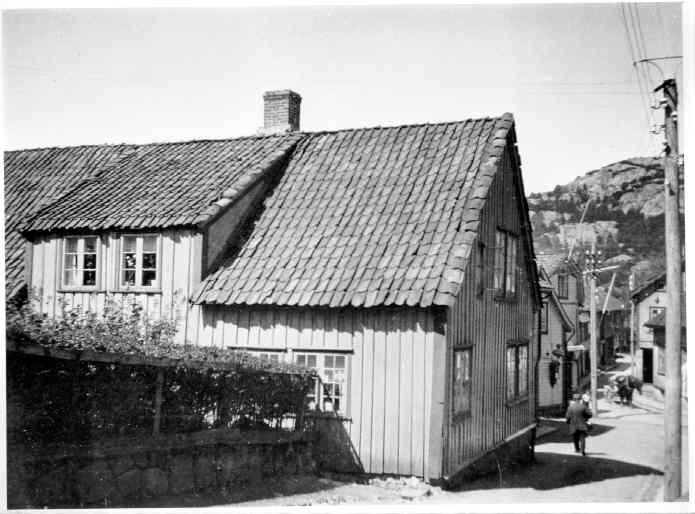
(550, 395)
(488, 324)
(643, 335)
(180, 272)
(225, 229)
(394, 391)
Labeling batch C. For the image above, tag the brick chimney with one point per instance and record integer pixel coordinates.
(280, 111)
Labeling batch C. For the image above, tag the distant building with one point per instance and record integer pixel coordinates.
(650, 301)
(555, 372)
(565, 279)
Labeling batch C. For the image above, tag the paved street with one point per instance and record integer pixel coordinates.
(624, 463)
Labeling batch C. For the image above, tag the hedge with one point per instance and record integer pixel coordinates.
(78, 400)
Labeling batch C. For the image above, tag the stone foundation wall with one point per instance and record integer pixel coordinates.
(117, 472)
(518, 451)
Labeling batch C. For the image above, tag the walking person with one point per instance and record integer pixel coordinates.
(577, 416)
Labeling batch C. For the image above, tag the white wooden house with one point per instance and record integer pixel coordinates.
(396, 261)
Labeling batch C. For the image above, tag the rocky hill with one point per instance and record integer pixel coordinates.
(624, 218)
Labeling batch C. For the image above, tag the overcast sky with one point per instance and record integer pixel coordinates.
(110, 76)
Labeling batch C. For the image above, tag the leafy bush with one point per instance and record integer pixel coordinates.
(78, 400)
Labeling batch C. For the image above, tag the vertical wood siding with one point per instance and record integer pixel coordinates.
(391, 354)
(487, 325)
(550, 395)
(180, 273)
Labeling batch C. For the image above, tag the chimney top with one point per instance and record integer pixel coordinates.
(280, 111)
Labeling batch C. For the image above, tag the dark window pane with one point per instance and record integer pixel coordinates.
(129, 277)
(149, 277)
(90, 261)
(149, 260)
(90, 278)
(90, 244)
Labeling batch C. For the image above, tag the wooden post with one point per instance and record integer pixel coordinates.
(592, 349)
(672, 410)
(158, 402)
(633, 368)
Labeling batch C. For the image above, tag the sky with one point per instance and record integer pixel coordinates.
(79, 76)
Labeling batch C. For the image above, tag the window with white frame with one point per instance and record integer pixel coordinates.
(329, 393)
(139, 261)
(270, 356)
(80, 261)
(517, 370)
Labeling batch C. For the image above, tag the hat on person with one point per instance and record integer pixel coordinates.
(577, 396)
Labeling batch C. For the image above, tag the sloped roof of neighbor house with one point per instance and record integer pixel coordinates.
(129, 186)
(377, 216)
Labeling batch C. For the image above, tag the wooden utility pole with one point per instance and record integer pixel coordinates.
(633, 368)
(592, 259)
(672, 413)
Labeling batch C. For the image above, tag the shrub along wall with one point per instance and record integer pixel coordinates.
(78, 383)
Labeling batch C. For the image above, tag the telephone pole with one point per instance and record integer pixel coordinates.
(592, 261)
(631, 284)
(672, 412)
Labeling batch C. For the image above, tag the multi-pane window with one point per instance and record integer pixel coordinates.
(563, 285)
(517, 370)
(139, 261)
(544, 318)
(80, 261)
(270, 356)
(329, 393)
(506, 268)
(462, 381)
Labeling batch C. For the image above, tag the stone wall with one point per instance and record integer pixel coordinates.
(511, 453)
(119, 472)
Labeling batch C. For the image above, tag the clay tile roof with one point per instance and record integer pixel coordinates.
(164, 184)
(370, 216)
(34, 179)
(127, 186)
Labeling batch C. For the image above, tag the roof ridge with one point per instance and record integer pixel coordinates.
(155, 143)
(259, 136)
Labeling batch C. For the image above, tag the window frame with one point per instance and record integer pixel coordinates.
(544, 317)
(481, 269)
(119, 286)
(97, 270)
(506, 280)
(515, 347)
(466, 384)
(563, 285)
(319, 392)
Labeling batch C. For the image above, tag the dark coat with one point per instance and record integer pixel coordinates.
(577, 414)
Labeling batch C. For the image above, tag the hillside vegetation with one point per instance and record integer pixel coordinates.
(625, 218)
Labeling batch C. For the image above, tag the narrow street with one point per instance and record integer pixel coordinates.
(624, 463)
